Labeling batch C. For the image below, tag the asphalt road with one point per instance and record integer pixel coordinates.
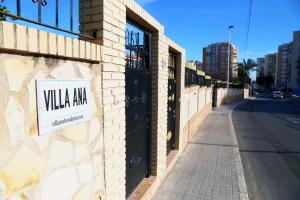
(268, 133)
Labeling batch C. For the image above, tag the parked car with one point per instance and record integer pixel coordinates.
(287, 95)
(295, 96)
(277, 95)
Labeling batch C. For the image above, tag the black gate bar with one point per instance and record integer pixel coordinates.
(18, 8)
(43, 3)
(56, 13)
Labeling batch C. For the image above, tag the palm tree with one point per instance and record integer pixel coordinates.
(245, 68)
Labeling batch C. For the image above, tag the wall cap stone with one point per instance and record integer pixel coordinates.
(191, 88)
(175, 46)
(143, 14)
(34, 41)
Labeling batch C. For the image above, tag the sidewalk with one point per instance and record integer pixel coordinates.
(210, 166)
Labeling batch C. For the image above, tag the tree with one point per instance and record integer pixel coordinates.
(265, 81)
(244, 69)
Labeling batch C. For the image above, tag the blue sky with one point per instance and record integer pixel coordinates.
(29, 10)
(196, 23)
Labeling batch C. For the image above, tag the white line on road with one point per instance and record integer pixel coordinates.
(293, 120)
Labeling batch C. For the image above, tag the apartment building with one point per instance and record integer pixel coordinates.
(270, 66)
(295, 66)
(215, 60)
(284, 63)
(260, 67)
(284, 66)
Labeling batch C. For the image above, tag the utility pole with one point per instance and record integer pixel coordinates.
(228, 64)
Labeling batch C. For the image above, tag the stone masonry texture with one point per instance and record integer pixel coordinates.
(66, 164)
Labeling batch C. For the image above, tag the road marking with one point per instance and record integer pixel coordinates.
(293, 120)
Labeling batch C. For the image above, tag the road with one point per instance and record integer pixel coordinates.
(268, 134)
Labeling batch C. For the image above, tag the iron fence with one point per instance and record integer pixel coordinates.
(200, 80)
(190, 77)
(63, 10)
(208, 82)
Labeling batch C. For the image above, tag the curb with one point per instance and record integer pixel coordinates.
(238, 161)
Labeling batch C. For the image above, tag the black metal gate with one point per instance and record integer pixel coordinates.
(214, 95)
(171, 103)
(137, 106)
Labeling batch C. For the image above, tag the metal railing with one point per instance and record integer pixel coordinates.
(17, 13)
(192, 78)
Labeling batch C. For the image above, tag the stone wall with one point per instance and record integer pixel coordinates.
(66, 164)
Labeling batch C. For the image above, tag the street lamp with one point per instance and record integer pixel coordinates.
(229, 28)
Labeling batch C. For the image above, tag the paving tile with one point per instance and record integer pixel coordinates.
(207, 167)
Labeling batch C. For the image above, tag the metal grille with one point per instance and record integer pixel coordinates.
(208, 82)
(200, 80)
(171, 102)
(59, 12)
(137, 87)
(137, 49)
(190, 77)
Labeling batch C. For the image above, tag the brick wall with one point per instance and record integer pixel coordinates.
(107, 19)
(180, 70)
(159, 102)
(113, 40)
(99, 145)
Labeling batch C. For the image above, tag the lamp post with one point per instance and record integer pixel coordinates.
(228, 63)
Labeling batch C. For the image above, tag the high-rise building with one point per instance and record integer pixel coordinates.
(295, 68)
(270, 66)
(215, 60)
(260, 67)
(284, 64)
(235, 61)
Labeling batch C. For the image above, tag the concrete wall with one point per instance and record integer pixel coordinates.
(196, 102)
(224, 97)
(246, 93)
(66, 164)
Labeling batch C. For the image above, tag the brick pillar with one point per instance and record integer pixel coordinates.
(159, 115)
(106, 19)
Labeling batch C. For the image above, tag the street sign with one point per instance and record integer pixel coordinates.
(62, 103)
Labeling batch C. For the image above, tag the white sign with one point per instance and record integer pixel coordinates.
(62, 103)
(164, 65)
